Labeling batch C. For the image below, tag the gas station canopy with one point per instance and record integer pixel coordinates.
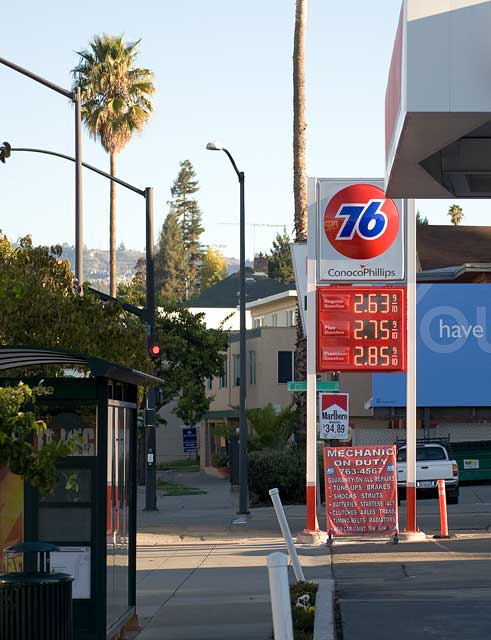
(438, 101)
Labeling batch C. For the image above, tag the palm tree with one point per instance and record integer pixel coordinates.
(300, 179)
(115, 104)
(299, 124)
(456, 214)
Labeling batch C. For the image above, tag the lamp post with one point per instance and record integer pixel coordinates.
(75, 97)
(243, 431)
(148, 315)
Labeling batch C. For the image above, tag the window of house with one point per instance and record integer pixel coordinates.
(252, 367)
(210, 383)
(224, 376)
(236, 369)
(286, 366)
(290, 318)
(258, 322)
(274, 318)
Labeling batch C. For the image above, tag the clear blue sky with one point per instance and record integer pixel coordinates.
(223, 72)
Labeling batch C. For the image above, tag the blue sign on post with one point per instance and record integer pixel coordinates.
(453, 350)
(190, 440)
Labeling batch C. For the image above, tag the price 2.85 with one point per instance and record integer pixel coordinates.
(376, 356)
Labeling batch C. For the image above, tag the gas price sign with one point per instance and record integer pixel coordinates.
(361, 328)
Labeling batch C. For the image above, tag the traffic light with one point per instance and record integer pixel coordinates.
(156, 355)
(155, 352)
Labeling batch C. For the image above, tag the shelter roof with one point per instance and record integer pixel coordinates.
(15, 357)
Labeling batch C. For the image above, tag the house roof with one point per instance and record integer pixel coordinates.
(225, 294)
(284, 295)
(441, 246)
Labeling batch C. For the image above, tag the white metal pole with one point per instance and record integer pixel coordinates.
(280, 596)
(285, 530)
(312, 524)
(411, 369)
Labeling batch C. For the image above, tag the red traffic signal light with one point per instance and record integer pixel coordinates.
(155, 351)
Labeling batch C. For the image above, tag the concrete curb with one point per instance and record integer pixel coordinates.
(324, 623)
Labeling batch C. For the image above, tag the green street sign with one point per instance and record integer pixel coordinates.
(321, 386)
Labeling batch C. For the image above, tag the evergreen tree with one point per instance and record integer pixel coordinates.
(135, 292)
(420, 220)
(280, 265)
(189, 216)
(213, 269)
(171, 263)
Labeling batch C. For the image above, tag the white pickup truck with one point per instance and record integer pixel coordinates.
(432, 464)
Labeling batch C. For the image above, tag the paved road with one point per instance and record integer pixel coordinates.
(212, 516)
(435, 589)
(202, 574)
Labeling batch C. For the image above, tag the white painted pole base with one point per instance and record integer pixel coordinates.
(285, 530)
(280, 596)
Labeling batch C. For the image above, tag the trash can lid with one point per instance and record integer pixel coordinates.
(30, 578)
(32, 547)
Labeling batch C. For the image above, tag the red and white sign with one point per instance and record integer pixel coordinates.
(361, 489)
(334, 416)
(361, 232)
(361, 328)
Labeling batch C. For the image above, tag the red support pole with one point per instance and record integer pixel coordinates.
(312, 523)
(442, 497)
(411, 509)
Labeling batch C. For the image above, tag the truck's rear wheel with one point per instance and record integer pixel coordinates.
(453, 496)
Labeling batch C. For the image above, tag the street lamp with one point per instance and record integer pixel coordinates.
(243, 470)
(148, 314)
(75, 97)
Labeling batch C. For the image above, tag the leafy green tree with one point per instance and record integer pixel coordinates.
(420, 221)
(18, 426)
(135, 292)
(171, 263)
(213, 268)
(456, 214)
(189, 215)
(191, 354)
(41, 308)
(115, 104)
(280, 265)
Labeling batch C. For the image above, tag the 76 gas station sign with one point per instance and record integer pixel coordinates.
(360, 232)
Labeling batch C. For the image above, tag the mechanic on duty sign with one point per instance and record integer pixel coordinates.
(361, 489)
(333, 416)
(360, 231)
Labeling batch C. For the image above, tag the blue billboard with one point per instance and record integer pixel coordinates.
(453, 350)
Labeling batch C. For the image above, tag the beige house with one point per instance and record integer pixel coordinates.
(270, 366)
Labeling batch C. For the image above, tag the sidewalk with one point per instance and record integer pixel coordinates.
(201, 575)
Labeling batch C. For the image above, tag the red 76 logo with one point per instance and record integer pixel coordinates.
(366, 220)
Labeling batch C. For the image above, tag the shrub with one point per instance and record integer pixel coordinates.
(269, 428)
(284, 469)
(303, 619)
(280, 468)
(219, 459)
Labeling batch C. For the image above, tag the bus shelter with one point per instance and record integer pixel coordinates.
(94, 526)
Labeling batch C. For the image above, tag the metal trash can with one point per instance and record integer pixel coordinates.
(36, 605)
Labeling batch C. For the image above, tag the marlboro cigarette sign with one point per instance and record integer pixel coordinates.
(334, 416)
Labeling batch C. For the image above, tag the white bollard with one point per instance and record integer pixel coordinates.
(285, 530)
(280, 596)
